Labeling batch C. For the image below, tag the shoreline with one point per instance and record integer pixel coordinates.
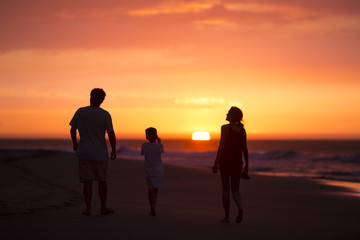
(10, 154)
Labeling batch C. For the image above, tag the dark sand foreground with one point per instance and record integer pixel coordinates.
(40, 198)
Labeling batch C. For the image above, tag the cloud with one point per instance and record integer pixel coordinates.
(65, 15)
(283, 11)
(199, 102)
(161, 23)
(207, 102)
(257, 7)
(215, 23)
(93, 61)
(338, 24)
(171, 7)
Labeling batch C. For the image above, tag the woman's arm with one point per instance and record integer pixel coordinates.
(246, 153)
(221, 148)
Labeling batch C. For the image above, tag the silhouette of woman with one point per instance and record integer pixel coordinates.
(232, 146)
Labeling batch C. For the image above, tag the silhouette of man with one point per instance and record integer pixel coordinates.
(92, 122)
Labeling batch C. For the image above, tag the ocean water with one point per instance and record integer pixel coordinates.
(324, 159)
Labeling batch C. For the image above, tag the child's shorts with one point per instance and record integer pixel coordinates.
(90, 170)
(153, 181)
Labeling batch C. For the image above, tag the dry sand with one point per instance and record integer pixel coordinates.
(40, 198)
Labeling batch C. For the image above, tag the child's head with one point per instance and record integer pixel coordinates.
(151, 134)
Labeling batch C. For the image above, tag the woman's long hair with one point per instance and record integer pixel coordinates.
(236, 115)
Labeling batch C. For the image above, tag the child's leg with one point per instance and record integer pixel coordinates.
(150, 197)
(155, 194)
(150, 194)
(153, 198)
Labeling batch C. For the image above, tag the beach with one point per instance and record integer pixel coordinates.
(40, 198)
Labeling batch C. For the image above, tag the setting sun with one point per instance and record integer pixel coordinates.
(201, 136)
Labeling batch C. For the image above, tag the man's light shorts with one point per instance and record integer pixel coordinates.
(90, 170)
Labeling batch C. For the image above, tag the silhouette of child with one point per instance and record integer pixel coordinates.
(153, 167)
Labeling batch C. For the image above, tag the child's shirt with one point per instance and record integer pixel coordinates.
(153, 164)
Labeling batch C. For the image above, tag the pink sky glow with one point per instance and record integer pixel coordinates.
(293, 67)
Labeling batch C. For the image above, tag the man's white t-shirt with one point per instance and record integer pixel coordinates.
(92, 123)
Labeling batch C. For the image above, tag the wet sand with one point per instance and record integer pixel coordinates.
(40, 198)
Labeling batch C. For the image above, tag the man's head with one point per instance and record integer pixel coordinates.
(97, 96)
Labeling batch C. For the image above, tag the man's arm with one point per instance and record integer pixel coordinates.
(112, 139)
(73, 138)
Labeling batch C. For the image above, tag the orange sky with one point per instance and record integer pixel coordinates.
(292, 66)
